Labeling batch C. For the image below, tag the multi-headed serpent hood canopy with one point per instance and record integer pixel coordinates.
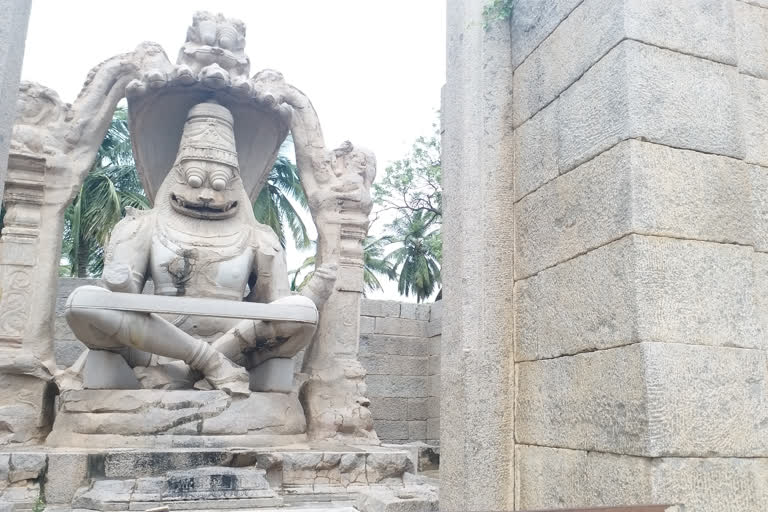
(212, 65)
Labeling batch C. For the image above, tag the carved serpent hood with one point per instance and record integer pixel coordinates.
(158, 104)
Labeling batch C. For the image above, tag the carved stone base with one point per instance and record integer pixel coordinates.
(163, 418)
(25, 409)
(307, 476)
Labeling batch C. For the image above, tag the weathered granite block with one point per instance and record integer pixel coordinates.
(535, 151)
(669, 24)
(417, 409)
(754, 102)
(642, 288)
(591, 479)
(366, 324)
(392, 430)
(533, 21)
(66, 473)
(405, 386)
(595, 26)
(26, 466)
(673, 400)
(25, 408)
(394, 345)
(385, 364)
(400, 326)
(752, 38)
(383, 308)
(635, 187)
(579, 41)
(695, 104)
(384, 408)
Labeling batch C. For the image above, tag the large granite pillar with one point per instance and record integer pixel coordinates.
(641, 255)
(13, 33)
(477, 380)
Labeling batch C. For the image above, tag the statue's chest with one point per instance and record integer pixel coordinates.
(200, 271)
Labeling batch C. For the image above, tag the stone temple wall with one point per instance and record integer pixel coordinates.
(399, 348)
(618, 150)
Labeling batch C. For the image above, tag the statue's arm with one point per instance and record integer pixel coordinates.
(127, 256)
(269, 273)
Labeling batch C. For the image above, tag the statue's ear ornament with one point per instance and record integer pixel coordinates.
(247, 132)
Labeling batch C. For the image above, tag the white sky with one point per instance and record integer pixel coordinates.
(373, 69)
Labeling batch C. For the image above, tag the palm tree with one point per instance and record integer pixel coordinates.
(274, 208)
(373, 265)
(110, 187)
(419, 256)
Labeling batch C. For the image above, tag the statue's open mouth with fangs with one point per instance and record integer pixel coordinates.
(207, 210)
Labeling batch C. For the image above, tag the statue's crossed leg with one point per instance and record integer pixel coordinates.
(103, 325)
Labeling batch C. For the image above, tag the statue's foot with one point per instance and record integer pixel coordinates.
(229, 377)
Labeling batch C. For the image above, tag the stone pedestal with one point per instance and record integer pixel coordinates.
(300, 476)
(161, 418)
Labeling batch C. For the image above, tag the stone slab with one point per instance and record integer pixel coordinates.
(635, 187)
(642, 289)
(25, 408)
(403, 386)
(383, 364)
(695, 104)
(394, 345)
(67, 472)
(593, 479)
(535, 151)
(674, 400)
(534, 21)
(754, 101)
(752, 37)
(26, 466)
(582, 38)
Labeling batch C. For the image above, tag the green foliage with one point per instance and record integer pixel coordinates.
(413, 185)
(497, 11)
(419, 256)
(374, 265)
(274, 208)
(110, 187)
(39, 504)
(412, 190)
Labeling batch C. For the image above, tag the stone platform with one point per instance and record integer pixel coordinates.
(147, 418)
(305, 476)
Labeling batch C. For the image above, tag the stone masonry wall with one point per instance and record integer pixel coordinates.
(399, 348)
(641, 184)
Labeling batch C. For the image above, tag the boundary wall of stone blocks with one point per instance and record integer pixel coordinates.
(399, 348)
(606, 162)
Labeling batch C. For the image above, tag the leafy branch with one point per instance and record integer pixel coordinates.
(497, 11)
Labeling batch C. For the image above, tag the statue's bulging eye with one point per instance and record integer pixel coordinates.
(218, 184)
(195, 177)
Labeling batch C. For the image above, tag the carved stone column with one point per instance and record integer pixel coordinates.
(25, 387)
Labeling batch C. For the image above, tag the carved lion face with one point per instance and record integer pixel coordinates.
(215, 39)
(205, 190)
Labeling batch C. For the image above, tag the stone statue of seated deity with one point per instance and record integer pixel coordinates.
(208, 258)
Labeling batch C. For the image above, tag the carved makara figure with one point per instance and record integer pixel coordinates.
(200, 240)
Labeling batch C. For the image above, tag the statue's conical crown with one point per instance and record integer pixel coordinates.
(208, 135)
